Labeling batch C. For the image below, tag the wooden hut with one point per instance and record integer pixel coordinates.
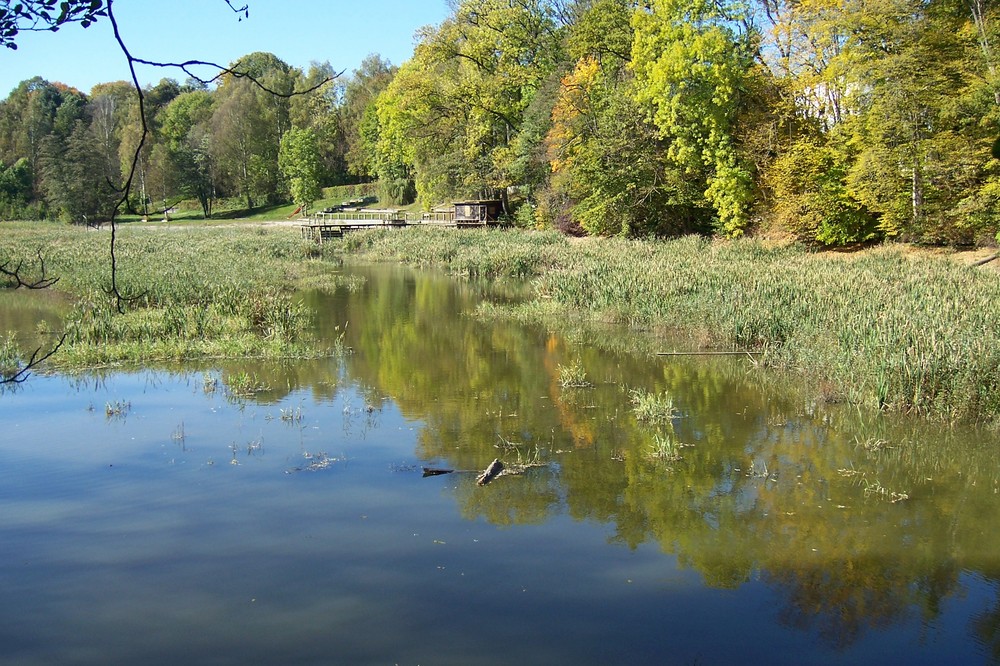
(478, 213)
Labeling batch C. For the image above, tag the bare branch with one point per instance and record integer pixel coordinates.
(15, 273)
(222, 71)
(25, 371)
(245, 10)
(120, 300)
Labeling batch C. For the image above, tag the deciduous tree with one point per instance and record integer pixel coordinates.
(693, 67)
(182, 155)
(358, 114)
(300, 163)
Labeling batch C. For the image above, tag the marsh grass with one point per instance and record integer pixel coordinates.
(117, 410)
(191, 293)
(477, 254)
(245, 385)
(573, 375)
(518, 460)
(883, 329)
(874, 489)
(652, 407)
(317, 275)
(291, 414)
(873, 445)
(524, 461)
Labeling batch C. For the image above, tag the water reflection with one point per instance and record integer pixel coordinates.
(849, 529)
(859, 520)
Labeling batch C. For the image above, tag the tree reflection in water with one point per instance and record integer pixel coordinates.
(843, 561)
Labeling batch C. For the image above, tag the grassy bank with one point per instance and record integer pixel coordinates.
(191, 293)
(884, 328)
(887, 329)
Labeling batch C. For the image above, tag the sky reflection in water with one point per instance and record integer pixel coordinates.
(191, 527)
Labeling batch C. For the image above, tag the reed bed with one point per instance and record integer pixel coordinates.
(893, 330)
(190, 294)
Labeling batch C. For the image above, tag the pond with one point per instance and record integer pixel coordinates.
(161, 517)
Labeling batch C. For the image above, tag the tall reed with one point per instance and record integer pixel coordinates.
(190, 293)
(887, 328)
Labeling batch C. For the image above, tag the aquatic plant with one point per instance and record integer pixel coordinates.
(878, 491)
(117, 409)
(245, 384)
(191, 293)
(664, 448)
(292, 414)
(573, 375)
(888, 329)
(652, 407)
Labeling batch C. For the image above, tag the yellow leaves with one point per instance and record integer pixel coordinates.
(576, 86)
(569, 113)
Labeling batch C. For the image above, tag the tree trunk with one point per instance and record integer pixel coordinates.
(979, 19)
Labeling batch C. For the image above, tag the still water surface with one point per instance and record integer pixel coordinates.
(153, 517)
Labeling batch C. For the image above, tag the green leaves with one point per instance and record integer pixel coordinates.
(37, 15)
(453, 112)
(839, 121)
(299, 161)
(691, 69)
(813, 199)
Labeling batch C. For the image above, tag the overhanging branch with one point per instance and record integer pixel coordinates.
(37, 358)
(126, 190)
(16, 273)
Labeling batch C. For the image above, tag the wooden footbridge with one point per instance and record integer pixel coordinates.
(325, 225)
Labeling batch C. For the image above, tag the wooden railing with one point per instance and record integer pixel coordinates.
(386, 216)
(322, 225)
(433, 218)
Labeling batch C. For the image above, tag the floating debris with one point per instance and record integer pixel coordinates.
(494, 470)
(490, 473)
(317, 462)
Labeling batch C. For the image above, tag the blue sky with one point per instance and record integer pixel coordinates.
(342, 32)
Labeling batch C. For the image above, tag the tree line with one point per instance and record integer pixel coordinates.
(837, 121)
(248, 140)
